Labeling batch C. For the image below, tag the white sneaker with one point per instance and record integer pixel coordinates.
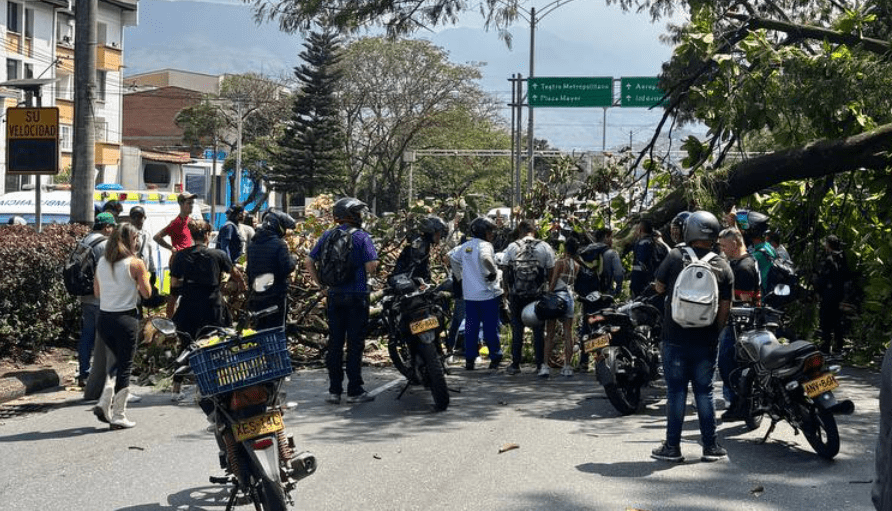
(567, 371)
(544, 371)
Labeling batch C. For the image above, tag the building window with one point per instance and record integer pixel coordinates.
(100, 85)
(12, 69)
(156, 173)
(13, 21)
(29, 23)
(64, 88)
(29, 71)
(65, 137)
(101, 128)
(65, 30)
(101, 34)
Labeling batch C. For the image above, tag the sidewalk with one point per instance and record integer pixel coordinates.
(54, 369)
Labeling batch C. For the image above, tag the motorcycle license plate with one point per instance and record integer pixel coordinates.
(602, 341)
(416, 327)
(818, 386)
(258, 426)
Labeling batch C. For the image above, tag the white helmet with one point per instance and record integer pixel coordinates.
(529, 317)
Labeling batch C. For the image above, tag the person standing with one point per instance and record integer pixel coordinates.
(180, 236)
(96, 240)
(612, 272)
(414, 259)
(348, 303)
(121, 278)
(269, 254)
(562, 279)
(246, 230)
(535, 253)
(689, 354)
(830, 285)
(475, 262)
(647, 254)
(229, 239)
(746, 292)
(145, 248)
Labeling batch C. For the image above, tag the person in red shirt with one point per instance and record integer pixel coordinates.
(180, 237)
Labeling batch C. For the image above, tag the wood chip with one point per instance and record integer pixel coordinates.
(508, 447)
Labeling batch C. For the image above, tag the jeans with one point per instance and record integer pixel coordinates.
(485, 312)
(89, 315)
(694, 364)
(348, 314)
(727, 362)
(516, 305)
(458, 315)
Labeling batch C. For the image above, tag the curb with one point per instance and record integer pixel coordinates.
(18, 384)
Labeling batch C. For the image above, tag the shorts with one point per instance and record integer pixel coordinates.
(567, 297)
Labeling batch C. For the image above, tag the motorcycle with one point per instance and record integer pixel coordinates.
(790, 382)
(625, 343)
(240, 375)
(414, 317)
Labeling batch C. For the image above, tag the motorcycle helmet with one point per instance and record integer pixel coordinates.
(701, 226)
(137, 211)
(528, 316)
(431, 225)
(349, 209)
(233, 211)
(278, 222)
(757, 224)
(481, 226)
(676, 227)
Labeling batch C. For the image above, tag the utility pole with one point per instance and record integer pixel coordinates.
(84, 142)
(530, 133)
(237, 178)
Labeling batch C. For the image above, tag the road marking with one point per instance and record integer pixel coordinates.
(382, 388)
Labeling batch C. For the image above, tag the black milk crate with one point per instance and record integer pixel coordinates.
(239, 363)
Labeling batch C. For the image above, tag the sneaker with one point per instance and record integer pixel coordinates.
(567, 371)
(713, 452)
(513, 369)
(334, 399)
(667, 452)
(82, 381)
(544, 371)
(495, 362)
(365, 397)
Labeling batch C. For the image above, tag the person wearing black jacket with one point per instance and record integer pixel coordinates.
(829, 284)
(268, 253)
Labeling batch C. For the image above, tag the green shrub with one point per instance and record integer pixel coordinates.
(35, 309)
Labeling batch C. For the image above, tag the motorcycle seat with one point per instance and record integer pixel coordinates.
(775, 356)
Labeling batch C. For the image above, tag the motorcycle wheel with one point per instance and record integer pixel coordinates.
(625, 394)
(436, 379)
(400, 356)
(819, 428)
(752, 420)
(272, 496)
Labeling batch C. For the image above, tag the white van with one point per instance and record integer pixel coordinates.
(160, 207)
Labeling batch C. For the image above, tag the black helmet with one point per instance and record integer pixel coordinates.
(680, 219)
(278, 222)
(433, 224)
(701, 226)
(757, 224)
(234, 211)
(349, 209)
(481, 226)
(137, 210)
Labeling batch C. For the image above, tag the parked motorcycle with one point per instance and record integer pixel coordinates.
(625, 343)
(414, 317)
(240, 376)
(788, 382)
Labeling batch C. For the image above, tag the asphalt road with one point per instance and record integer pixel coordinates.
(574, 452)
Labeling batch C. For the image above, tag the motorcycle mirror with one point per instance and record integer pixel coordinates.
(263, 282)
(782, 290)
(165, 326)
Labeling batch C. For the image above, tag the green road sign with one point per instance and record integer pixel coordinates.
(571, 91)
(639, 91)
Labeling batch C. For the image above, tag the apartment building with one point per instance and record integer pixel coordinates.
(38, 43)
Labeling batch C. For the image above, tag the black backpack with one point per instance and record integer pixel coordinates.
(781, 271)
(204, 270)
(591, 275)
(657, 255)
(336, 266)
(527, 275)
(80, 268)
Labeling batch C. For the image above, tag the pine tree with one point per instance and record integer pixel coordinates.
(310, 158)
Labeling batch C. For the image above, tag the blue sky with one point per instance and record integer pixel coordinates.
(580, 38)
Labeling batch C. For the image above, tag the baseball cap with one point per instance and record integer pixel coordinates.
(183, 197)
(105, 219)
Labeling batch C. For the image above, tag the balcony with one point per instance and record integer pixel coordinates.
(108, 58)
(65, 55)
(14, 42)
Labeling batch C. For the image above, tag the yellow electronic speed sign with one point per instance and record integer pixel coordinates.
(32, 140)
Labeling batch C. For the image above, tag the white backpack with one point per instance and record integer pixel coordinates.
(695, 296)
